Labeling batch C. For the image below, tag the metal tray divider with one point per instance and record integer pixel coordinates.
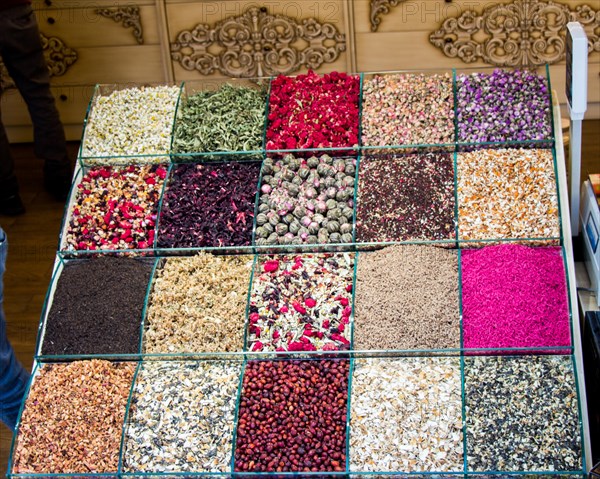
(236, 415)
(248, 298)
(13, 442)
(348, 413)
(126, 417)
(149, 289)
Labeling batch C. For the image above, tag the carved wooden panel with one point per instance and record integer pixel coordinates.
(525, 33)
(258, 43)
(129, 17)
(379, 8)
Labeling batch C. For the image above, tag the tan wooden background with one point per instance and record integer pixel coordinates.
(109, 53)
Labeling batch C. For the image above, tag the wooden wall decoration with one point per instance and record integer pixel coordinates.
(128, 17)
(379, 8)
(257, 44)
(59, 58)
(525, 33)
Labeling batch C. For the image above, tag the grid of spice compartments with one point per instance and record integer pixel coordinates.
(312, 161)
(435, 340)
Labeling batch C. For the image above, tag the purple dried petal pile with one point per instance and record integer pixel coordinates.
(502, 106)
(209, 205)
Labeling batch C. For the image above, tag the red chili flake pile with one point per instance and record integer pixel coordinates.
(514, 296)
(292, 416)
(310, 111)
(209, 205)
(403, 198)
(115, 208)
(301, 303)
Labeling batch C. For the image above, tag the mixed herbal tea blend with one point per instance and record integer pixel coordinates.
(405, 197)
(181, 417)
(115, 208)
(301, 303)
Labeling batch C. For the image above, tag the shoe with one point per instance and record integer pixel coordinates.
(12, 206)
(58, 186)
(57, 179)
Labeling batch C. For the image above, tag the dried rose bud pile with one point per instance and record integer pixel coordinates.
(301, 303)
(310, 111)
(506, 105)
(407, 109)
(73, 418)
(292, 416)
(306, 201)
(209, 205)
(115, 208)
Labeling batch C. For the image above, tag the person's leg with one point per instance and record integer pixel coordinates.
(23, 55)
(13, 377)
(10, 201)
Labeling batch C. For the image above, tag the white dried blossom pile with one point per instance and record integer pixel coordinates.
(128, 122)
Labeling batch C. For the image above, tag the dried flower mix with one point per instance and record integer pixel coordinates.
(407, 109)
(310, 111)
(182, 416)
(301, 303)
(73, 418)
(406, 415)
(230, 119)
(198, 304)
(404, 198)
(91, 313)
(514, 296)
(506, 105)
(507, 193)
(522, 414)
(131, 121)
(407, 298)
(115, 208)
(306, 201)
(209, 205)
(292, 416)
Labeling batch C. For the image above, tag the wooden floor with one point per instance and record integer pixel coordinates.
(33, 240)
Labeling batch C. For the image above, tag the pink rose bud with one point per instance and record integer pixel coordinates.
(271, 266)
(310, 302)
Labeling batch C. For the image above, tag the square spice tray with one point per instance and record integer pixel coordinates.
(333, 407)
(221, 119)
(127, 124)
(95, 307)
(407, 111)
(503, 106)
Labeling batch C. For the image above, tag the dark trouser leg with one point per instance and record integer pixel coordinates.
(23, 56)
(8, 181)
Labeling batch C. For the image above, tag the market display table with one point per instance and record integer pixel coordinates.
(348, 274)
